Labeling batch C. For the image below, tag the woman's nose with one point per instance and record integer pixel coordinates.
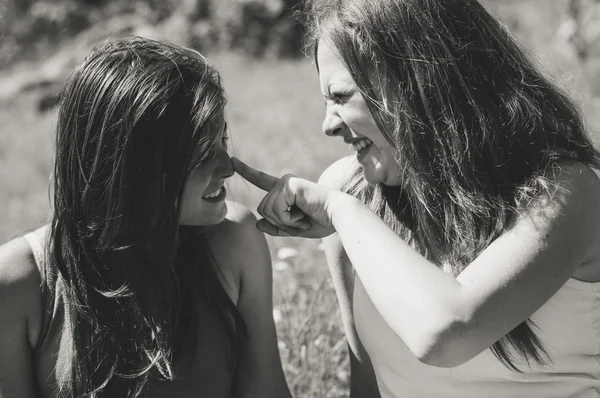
(332, 125)
(224, 167)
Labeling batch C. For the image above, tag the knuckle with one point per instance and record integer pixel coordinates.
(291, 182)
(288, 177)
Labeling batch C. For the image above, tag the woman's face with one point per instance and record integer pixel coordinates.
(204, 194)
(348, 117)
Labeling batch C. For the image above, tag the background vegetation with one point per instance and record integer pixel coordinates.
(275, 114)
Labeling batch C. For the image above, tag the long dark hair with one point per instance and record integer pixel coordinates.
(135, 118)
(478, 130)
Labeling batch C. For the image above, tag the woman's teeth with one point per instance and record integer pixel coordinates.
(361, 144)
(213, 194)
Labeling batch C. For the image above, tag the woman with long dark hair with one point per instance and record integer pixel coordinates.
(464, 235)
(146, 282)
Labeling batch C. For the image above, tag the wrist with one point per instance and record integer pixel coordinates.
(340, 206)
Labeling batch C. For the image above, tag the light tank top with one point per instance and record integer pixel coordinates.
(569, 329)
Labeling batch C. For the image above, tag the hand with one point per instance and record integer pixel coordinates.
(292, 206)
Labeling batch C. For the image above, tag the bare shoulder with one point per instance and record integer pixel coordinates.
(238, 245)
(339, 172)
(578, 199)
(577, 195)
(237, 232)
(574, 180)
(578, 176)
(20, 283)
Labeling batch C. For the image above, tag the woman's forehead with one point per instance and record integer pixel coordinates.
(331, 67)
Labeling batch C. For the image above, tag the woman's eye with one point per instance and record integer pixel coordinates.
(207, 158)
(225, 140)
(338, 98)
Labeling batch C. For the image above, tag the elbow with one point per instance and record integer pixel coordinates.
(438, 355)
(444, 344)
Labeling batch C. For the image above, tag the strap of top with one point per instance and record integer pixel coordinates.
(38, 252)
(39, 255)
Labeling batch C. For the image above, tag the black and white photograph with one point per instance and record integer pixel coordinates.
(299, 198)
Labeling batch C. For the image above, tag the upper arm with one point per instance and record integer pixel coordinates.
(259, 372)
(339, 264)
(19, 305)
(363, 382)
(518, 272)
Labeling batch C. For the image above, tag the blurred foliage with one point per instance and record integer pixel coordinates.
(56, 34)
(257, 27)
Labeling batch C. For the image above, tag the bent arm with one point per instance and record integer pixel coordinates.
(19, 288)
(446, 321)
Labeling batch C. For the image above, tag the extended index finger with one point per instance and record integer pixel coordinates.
(258, 178)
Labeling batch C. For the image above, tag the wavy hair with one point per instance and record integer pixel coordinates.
(478, 130)
(135, 118)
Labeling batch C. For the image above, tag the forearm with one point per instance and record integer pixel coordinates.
(416, 298)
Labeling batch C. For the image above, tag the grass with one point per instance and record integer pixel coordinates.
(275, 113)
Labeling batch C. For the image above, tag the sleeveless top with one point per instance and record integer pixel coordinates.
(569, 329)
(206, 372)
(52, 349)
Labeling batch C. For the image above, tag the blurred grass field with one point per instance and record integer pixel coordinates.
(274, 113)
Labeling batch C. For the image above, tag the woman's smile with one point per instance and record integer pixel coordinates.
(361, 146)
(215, 196)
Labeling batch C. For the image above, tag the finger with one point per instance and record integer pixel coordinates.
(273, 207)
(289, 217)
(257, 178)
(268, 228)
(273, 203)
(298, 219)
(277, 205)
(290, 231)
(263, 209)
(276, 230)
(279, 209)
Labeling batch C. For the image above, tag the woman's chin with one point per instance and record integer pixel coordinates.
(214, 216)
(373, 176)
(217, 217)
(376, 174)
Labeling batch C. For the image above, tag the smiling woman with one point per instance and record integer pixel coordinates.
(134, 289)
(349, 117)
(203, 201)
(463, 238)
